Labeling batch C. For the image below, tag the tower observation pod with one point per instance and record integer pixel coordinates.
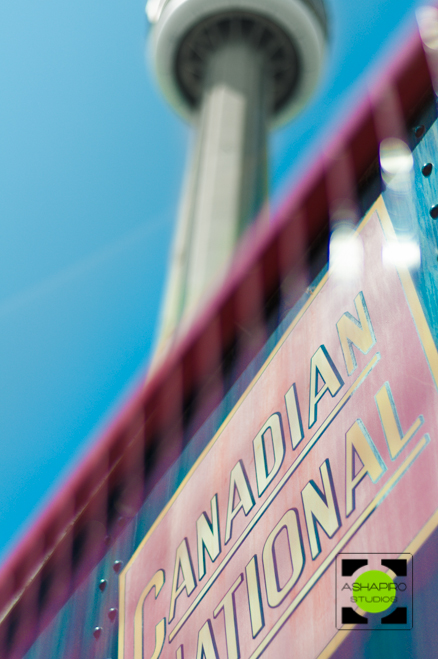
(234, 68)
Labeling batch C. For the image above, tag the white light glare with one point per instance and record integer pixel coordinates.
(345, 253)
(397, 162)
(427, 19)
(404, 254)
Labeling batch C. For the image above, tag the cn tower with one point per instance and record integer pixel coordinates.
(234, 68)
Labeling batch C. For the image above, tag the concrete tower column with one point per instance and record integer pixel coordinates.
(233, 69)
(230, 174)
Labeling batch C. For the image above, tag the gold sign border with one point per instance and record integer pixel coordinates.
(431, 353)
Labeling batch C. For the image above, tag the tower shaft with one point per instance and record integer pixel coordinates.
(226, 185)
(230, 67)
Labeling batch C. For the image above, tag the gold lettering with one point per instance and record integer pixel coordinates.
(272, 427)
(183, 565)
(294, 416)
(208, 536)
(322, 366)
(228, 605)
(321, 507)
(358, 442)
(254, 597)
(391, 423)
(358, 333)
(206, 643)
(238, 483)
(289, 522)
(157, 582)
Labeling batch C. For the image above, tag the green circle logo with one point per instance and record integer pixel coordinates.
(374, 591)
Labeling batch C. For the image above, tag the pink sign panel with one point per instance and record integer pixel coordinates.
(331, 450)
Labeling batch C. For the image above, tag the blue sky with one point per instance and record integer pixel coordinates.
(91, 163)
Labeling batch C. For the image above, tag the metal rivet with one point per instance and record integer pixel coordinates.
(117, 566)
(97, 632)
(434, 212)
(102, 584)
(107, 540)
(419, 131)
(121, 522)
(427, 169)
(112, 614)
